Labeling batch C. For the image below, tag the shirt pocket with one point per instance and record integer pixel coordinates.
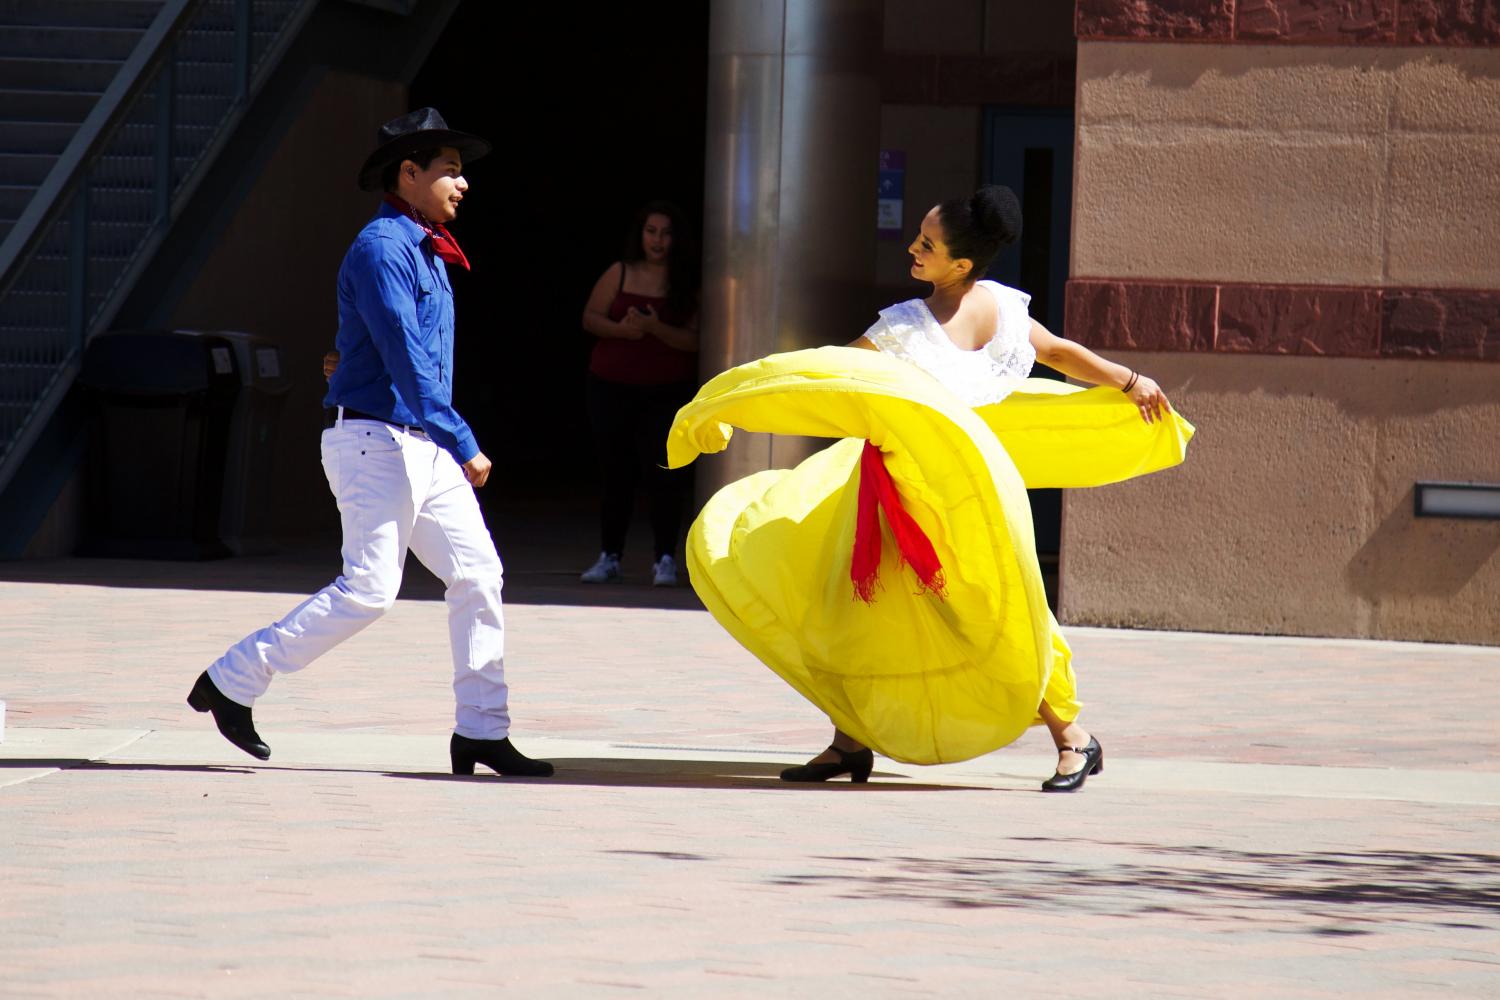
(427, 302)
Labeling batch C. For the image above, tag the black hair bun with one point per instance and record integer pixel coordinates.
(997, 212)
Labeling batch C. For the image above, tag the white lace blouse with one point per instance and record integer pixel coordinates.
(909, 331)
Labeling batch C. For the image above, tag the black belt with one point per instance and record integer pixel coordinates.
(331, 417)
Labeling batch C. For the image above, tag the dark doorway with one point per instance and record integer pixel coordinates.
(1031, 152)
(593, 111)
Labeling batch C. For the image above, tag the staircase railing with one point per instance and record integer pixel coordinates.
(110, 200)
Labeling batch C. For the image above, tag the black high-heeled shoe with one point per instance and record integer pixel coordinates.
(233, 719)
(856, 763)
(1093, 763)
(499, 756)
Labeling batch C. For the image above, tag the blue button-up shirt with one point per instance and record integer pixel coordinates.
(395, 338)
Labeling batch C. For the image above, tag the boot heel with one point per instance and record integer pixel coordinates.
(233, 720)
(857, 764)
(1093, 763)
(499, 756)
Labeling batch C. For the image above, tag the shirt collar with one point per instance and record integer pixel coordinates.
(413, 232)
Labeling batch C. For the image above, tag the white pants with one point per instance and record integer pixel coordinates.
(395, 491)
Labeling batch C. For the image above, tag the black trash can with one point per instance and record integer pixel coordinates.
(163, 404)
(249, 480)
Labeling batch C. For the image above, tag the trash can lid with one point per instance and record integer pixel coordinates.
(157, 362)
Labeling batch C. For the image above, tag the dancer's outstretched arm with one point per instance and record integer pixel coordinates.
(1076, 361)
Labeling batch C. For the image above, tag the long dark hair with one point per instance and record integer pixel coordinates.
(979, 225)
(682, 259)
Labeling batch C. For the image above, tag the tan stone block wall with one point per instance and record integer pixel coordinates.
(1293, 513)
(1299, 164)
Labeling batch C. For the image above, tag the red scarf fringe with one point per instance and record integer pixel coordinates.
(876, 493)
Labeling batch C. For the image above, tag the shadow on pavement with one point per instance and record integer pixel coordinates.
(544, 542)
(82, 764)
(305, 570)
(649, 773)
(621, 772)
(1335, 894)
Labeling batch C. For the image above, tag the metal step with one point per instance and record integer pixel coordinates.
(36, 308)
(91, 13)
(19, 388)
(67, 43)
(33, 345)
(112, 244)
(42, 105)
(13, 200)
(90, 75)
(25, 168)
(54, 273)
(34, 137)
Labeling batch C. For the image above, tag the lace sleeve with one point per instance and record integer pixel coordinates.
(1011, 346)
(897, 331)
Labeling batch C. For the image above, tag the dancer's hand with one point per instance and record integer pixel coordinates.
(1149, 399)
(477, 470)
(330, 364)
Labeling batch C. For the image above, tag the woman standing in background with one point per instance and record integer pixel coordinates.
(643, 314)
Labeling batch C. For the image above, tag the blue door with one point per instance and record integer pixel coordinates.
(1031, 152)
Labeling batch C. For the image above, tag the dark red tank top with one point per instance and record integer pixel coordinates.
(647, 361)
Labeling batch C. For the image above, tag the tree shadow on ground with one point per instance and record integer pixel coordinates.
(1339, 893)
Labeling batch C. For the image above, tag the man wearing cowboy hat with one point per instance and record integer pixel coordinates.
(402, 464)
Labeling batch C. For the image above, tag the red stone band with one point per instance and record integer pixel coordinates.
(1307, 22)
(1308, 320)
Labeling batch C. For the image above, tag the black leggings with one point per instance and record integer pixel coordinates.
(630, 424)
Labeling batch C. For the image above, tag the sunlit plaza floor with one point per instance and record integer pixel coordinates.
(1276, 818)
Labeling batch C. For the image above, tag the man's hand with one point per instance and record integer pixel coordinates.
(330, 364)
(477, 470)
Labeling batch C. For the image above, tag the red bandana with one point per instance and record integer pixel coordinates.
(878, 493)
(443, 243)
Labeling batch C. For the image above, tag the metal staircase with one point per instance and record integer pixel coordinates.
(56, 60)
(110, 112)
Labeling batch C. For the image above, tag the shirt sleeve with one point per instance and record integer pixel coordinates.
(386, 301)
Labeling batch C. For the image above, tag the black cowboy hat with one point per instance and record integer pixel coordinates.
(413, 132)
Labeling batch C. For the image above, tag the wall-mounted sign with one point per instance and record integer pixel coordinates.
(891, 194)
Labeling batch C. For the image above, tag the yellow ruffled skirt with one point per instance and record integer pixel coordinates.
(919, 677)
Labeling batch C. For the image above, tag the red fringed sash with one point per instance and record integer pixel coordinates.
(877, 492)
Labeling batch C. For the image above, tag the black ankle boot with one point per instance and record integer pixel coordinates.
(497, 755)
(855, 763)
(232, 718)
(1093, 763)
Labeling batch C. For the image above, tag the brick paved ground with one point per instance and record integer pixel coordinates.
(1277, 818)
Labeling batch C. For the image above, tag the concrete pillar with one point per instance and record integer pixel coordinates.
(789, 203)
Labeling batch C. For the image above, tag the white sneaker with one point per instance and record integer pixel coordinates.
(605, 570)
(665, 570)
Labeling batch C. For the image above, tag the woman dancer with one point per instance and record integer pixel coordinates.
(963, 664)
